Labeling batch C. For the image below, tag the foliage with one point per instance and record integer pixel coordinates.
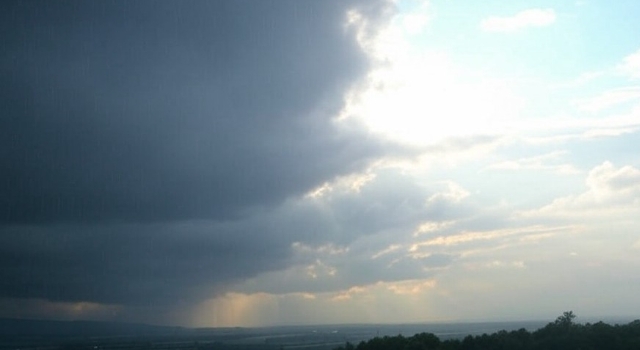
(563, 334)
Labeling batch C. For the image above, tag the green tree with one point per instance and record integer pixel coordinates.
(566, 319)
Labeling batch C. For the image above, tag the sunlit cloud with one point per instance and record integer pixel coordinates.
(319, 268)
(492, 235)
(349, 183)
(411, 287)
(60, 310)
(431, 227)
(390, 249)
(348, 294)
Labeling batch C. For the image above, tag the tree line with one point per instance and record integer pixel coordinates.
(563, 334)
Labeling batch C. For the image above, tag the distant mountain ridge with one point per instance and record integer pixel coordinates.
(11, 328)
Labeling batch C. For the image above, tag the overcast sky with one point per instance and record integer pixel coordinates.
(247, 163)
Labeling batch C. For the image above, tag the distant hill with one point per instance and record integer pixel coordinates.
(21, 328)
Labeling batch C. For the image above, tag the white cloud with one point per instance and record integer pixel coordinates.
(581, 80)
(453, 193)
(523, 19)
(319, 268)
(608, 99)
(415, 23)
(630, 65)
(566, 128)
(547, 162)
(608, 132)
(610, 191)
(497, 264)
(607, 179)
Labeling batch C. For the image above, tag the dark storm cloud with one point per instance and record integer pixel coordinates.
(125, 122)
(170, 110)
(131, 264)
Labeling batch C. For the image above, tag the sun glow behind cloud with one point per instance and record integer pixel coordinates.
(419, 96)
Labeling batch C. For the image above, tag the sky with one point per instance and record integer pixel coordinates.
(255, 163)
